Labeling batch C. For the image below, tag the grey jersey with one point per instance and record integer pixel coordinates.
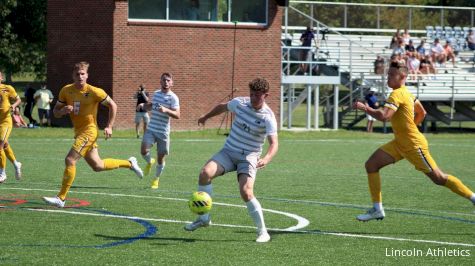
(160, 122)
(250, 126)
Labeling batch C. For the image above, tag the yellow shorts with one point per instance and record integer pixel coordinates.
(84, 143)
(420, 157)
(5, 133)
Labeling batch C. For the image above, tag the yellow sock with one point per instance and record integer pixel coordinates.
(68, 179)
(110, 164)
(374, 183)
(9, 153)
(458, 187)
(3, 159)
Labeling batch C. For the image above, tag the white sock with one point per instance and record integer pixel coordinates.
(160, 168)
(208, 189)
(15, 163)
(2, 171)
(472, 198)
(255, 211)
(147, 157)
(378, 206)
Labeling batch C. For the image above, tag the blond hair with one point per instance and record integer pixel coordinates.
(81, 65)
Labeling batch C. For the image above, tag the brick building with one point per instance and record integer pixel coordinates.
(125, 52)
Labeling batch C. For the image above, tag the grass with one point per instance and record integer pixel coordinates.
(318, 176)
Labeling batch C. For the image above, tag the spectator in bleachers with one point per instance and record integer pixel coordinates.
(379, 65)
(400, 48)
(413, 65)
(372, 101)
(409, 47)
(449, 52)
(395, 40)
(306, 53)
(406, 37)
(426, 66)
(471, 40)
(420, 49)
(437, 52)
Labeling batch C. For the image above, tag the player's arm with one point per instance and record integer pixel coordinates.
(16, 103)
(384, 114)
(420, 112)
(109, 103)
(173, 113)
(217, 110)
(271, 151)
(61, 109)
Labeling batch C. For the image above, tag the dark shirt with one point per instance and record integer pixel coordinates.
(29, 93)
(371, 100)
(141, 99)
(409, 48)
(307, 38)
(421, 50)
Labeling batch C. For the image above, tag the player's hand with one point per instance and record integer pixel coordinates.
(201, 121)
(108, 132)
(359, 105)
(261, 163)
(67, 109)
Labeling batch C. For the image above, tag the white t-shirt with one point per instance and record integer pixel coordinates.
(44, 98)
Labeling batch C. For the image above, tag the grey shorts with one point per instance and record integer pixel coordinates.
(43, 113)
(162, 140)
(139, 116)
(237, 161)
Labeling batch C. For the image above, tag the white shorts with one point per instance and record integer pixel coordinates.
(370, 118)
(139, 116)
(242, 163)
(162, 140)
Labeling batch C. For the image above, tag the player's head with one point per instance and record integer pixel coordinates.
(258, 89)
(397, 74)
(80, 73)
(166, 80)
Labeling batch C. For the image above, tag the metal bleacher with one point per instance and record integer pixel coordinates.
(351, 52)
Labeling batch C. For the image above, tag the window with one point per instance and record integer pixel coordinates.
(219, 11)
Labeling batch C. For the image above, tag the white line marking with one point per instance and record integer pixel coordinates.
(301, 222)
(252, 227)
(290, 229)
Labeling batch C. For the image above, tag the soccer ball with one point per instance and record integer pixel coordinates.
(200, 202)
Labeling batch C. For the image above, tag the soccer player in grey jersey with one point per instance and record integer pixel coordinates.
(164, 104)
(254, 122)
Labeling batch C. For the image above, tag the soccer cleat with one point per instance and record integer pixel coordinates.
(148, 167)
(3, 177)
(263, 237)
(371, 214)
(155, 183)
(197, 224)
(55, 201)
(18, 171)
(135, 167)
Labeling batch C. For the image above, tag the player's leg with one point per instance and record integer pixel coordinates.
(163, 147)
(209, 171)
(145, 149)
(430, 169)
(4, 134)
(68, 178)
(137, 124)
(11, 157)
(146, 120)
(246, 170)
(97, 164)
(380, 158)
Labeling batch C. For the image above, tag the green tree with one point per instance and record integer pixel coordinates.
(23, 37)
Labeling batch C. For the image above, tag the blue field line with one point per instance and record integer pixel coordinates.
(150, 230)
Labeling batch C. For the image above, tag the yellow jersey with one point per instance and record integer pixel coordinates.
(407, 135)
(84, 102)
(7, 94)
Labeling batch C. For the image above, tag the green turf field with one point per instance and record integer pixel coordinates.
(317, 178)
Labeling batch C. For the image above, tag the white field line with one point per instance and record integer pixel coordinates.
(290, 229)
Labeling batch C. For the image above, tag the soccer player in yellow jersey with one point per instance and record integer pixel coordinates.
(405, 112)
(80, 100)
(7, 95)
